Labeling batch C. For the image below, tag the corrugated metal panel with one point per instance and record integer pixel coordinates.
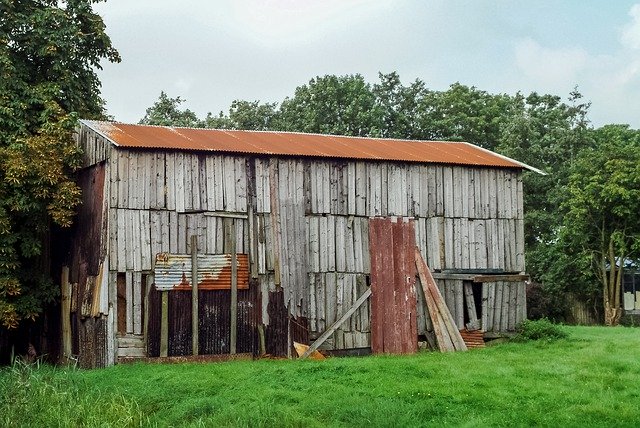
(393, 298)
(173, 271)
(299, 144)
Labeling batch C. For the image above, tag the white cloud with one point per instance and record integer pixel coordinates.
(630, 36)
(549, 67)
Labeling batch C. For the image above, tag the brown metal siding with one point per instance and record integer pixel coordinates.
(215, 314)
(299, 144)
(393, 298)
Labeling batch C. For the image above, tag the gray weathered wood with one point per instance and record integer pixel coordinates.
(324, 336)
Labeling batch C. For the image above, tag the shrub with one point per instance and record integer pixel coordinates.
(541, 329)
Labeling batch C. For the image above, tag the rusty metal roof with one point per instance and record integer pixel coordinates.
(300, 144)
(173, 271)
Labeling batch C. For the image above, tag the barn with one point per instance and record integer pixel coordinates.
(283, 233)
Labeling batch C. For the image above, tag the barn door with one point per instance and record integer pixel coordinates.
(393, 275)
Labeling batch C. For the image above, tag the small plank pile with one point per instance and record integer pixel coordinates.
(473, 338)
(444, 326)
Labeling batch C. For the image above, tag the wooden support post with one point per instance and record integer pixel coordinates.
(164, 325)
(65, 313)
(148, 286)
(328, 332)
(234, 290)
(194, 294)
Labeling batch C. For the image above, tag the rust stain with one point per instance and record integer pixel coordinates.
(173, 271)
(300, 144)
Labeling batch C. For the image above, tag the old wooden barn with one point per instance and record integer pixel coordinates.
(276, 228)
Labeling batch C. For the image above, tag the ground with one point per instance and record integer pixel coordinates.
(590, 379)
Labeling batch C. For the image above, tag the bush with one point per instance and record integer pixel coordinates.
(541, 329)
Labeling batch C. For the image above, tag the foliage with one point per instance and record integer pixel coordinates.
(589, 379)
(48, 55)
(602, 208)
(166, 112)
(541, 329)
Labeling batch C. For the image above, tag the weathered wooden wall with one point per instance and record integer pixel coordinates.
(303, 222)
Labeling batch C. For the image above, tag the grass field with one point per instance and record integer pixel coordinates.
(590, 379)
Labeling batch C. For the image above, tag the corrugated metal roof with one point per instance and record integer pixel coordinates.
(173, 271)
(300, 144)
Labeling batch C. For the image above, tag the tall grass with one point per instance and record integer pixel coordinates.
(42, 396)
(591, 378)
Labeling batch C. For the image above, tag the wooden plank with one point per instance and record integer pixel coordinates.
(504, 307)
(512, 307)
(459, 302)
(129, 300)
(349, 250)
(194, 296)
(324, 336)
(65, 312)
(361, 188)
(377, 298)
(443, 339)
(234, 296)
(164, 324)
(351, 188)
(474, 323)
(137, 302)
(484, 309)
(147, 291)
(448, 191)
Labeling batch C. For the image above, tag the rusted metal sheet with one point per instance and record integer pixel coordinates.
(173, 271)
(393, 299)
(299, 144)
(214, 322)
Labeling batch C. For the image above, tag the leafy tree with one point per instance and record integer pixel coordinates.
(166, 112)
(49, 51)
(602, 209)
(252, 115)
(464, 113)
(343, 105)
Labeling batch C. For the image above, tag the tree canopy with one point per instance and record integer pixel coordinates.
(49, 52)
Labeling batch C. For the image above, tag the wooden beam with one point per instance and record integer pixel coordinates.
(234, 290)
(65, 314)
(328, 332)
(505, 278)
(164, 325)
(194, 294)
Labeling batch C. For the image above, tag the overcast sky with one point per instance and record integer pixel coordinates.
(212, 52)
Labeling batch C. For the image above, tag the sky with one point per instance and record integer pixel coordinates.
(213, 52)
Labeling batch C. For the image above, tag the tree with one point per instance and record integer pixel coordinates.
(166, 112)
(343, 105)
(49, 51)
(602, 209)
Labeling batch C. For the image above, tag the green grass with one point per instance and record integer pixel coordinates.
(591, 378)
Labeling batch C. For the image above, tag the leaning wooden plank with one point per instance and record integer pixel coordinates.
(65, 313)
(328, 332)
(442, 307)
(444, 342)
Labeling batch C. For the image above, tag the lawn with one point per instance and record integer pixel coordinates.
(590, 379)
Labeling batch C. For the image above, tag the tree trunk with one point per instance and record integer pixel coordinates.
(612, 315)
